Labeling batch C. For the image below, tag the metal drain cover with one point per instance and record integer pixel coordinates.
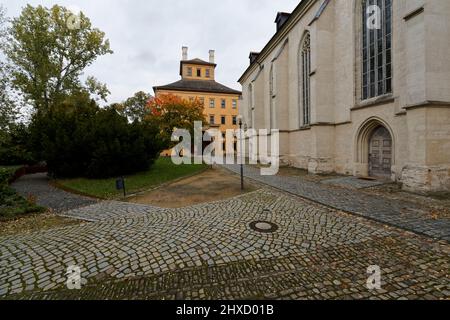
(264, 226)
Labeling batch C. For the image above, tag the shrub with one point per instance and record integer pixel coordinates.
(11, 204)
(121, 148)
(77, 138)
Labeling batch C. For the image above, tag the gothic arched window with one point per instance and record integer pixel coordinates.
(273, 95)
(251, 106)
(305, 65)
(376, 48)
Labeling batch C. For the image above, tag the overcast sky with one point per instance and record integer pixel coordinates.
(147, 36)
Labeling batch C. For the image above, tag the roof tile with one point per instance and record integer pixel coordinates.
(210, 86)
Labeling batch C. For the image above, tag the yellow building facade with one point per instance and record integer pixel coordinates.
(221, 104)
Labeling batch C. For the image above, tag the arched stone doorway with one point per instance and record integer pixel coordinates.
(380, 153)
(374, 149)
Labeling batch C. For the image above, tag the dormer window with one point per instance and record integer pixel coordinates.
(208, 73)
(189, 72)
(199, 73)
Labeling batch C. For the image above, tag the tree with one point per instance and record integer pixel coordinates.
(3, 21)
(14, 146)
(168, 112)
(96, 88)
(13, 136)
(49, 53)
(135, 107)
(7, 106)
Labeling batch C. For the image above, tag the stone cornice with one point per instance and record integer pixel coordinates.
(428, 104)
(318, 124)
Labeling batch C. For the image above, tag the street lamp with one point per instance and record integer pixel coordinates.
(241, 151)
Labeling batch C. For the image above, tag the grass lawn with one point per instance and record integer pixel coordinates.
(162, 171)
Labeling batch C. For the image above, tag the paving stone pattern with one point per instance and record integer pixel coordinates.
(401, 214)
(109, 210)
(209, 251)
(354, 182)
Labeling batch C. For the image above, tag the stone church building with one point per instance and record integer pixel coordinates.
(358, 87)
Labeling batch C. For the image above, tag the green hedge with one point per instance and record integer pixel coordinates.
(80, 139)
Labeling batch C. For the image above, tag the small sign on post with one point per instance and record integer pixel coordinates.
(120, 185)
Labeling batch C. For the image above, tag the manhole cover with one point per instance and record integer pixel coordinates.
(263, 226)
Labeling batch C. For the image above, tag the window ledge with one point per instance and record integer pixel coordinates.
(384, 99)
(304, 128)
(427, 103)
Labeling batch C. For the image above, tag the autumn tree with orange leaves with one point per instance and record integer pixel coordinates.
(170, 112)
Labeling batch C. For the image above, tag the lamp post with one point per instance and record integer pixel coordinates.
(241, 152)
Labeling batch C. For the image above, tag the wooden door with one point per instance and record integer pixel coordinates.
(380, 153)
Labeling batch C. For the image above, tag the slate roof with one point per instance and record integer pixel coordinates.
(209, 86)
(198, 61)
(277, 36)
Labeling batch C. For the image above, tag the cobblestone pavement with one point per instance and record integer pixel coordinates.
(37, 185)
(109, 210)
(401, 214)
(354, 182)
(209, 251)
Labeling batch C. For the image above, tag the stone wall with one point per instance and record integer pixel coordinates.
(426, 179)
(417, 113)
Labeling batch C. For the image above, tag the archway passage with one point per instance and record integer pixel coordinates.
(380, 153)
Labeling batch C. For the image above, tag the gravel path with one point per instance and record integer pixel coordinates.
(37, 185)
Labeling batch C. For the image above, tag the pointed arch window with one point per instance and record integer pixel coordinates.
(376, 48)
(251, 111)
(305, 65)
(273, 96)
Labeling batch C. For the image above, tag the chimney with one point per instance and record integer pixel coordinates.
(281, 19)
(185, 53)
(211, 56)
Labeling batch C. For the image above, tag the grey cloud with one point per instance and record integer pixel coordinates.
(147, 35)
